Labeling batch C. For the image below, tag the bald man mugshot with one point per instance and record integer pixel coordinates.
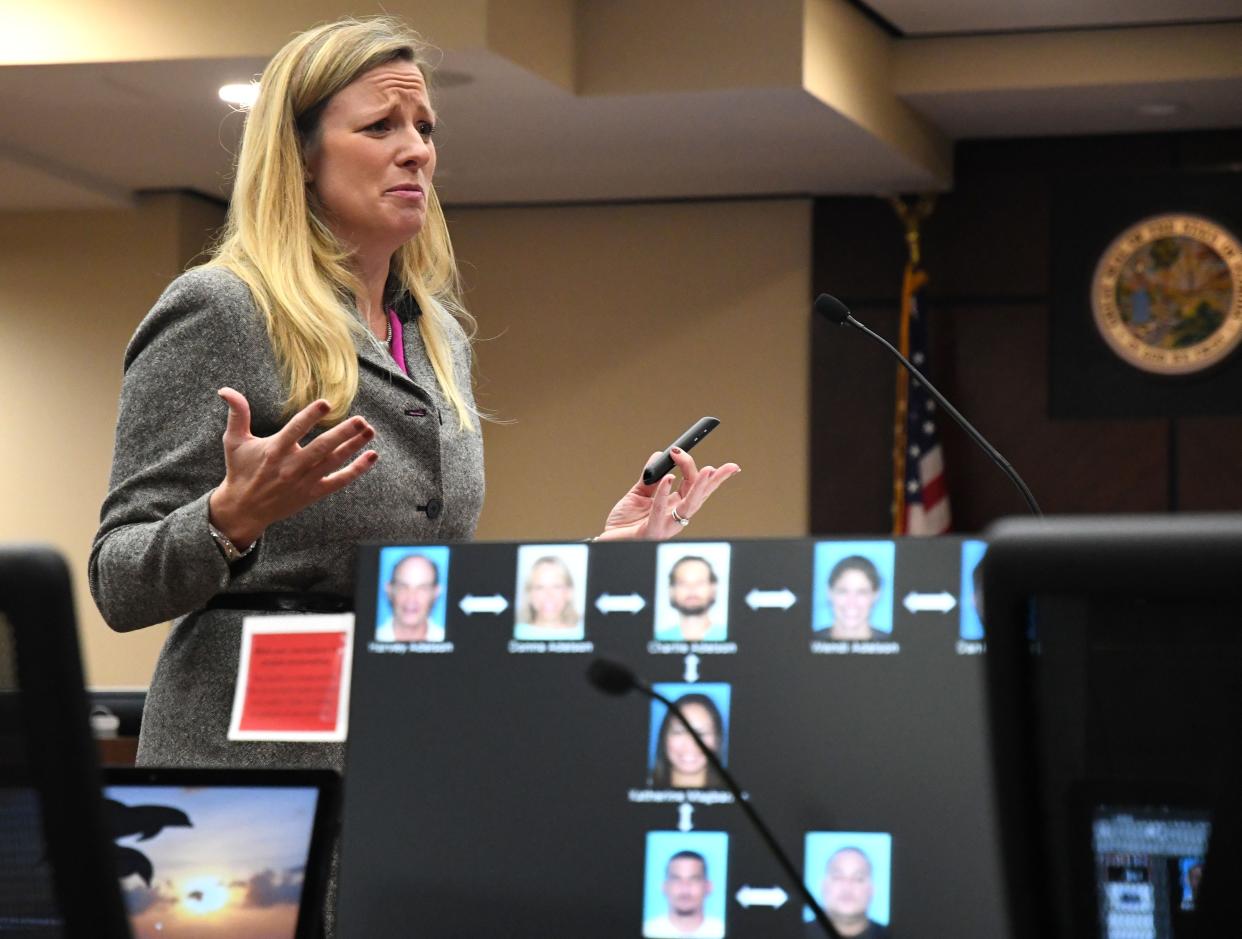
(413, 589)
(846, 893)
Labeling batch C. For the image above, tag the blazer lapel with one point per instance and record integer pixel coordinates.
(377, 360)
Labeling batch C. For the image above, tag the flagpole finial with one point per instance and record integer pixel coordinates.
(911, 215)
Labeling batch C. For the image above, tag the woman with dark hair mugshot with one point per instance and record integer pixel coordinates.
(679, 763)
(547, 610)
(853, 587)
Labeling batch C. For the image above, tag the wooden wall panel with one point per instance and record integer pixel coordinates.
(1209, 464)
(987, 249)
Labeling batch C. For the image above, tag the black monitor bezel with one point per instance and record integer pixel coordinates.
(61, 761)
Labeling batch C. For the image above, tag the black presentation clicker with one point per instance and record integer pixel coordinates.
(663, 464)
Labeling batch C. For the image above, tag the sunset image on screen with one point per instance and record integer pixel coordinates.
(212, 862)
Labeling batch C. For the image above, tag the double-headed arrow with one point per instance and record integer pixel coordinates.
(692, 667)
(494, 604)
(781, 599)
(685, 817)
(940, 602)
(774, 897)
(619, 603)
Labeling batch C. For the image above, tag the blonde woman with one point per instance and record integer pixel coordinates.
(307, 389)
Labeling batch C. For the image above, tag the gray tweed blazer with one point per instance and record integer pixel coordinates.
(153, 558)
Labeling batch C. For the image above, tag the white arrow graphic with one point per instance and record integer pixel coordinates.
(471, 604)
(692, 667)
(619, 603)
(685, 817)
(774, 897)
(781, 599)
(929, 602)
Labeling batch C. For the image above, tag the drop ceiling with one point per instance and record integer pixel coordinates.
(819, 110)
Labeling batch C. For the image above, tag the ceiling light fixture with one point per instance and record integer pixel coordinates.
(240, 94)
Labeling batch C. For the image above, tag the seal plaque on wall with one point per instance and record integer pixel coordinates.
(1167, 294)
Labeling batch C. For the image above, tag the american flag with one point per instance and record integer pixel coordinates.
(920, 497)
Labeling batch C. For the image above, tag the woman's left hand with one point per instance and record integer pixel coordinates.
(646, 511)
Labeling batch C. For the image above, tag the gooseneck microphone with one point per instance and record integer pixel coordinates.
(833, 309)
(614, 678)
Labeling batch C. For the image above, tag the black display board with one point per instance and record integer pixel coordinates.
(491, 791)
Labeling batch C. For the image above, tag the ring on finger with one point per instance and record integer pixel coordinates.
(683, 522)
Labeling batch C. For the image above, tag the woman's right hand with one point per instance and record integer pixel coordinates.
(271, 478)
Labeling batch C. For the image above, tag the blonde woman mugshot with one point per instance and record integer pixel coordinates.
(547, 610)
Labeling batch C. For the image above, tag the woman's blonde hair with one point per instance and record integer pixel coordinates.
(277, 240)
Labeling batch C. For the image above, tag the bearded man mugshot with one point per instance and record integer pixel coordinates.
(692, 593)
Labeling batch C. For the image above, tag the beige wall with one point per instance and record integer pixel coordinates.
(73, 285)
(609, 329)
(614, 327)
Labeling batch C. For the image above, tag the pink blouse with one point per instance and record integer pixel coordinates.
(397, 346)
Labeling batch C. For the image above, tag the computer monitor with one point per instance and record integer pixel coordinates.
(1113, 656)
(57, 877)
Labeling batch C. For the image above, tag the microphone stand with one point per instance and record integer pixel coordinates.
(833, 309)
(957, 416)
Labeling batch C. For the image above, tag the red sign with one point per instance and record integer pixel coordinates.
(293, 682)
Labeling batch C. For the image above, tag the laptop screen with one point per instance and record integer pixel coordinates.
(28, 902)
(1149, 863)
(211, 858)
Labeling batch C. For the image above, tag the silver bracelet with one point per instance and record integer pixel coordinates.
(230, 551)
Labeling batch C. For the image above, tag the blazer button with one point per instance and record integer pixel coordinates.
(416, 412)
(433, 508)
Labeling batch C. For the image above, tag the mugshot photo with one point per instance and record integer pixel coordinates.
(1190, 876)
(853, 590)
(685, 884)
(413, 591)
(674, 760)
(692, 592)
(550, 597)
(971, 606)
(850, 874)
